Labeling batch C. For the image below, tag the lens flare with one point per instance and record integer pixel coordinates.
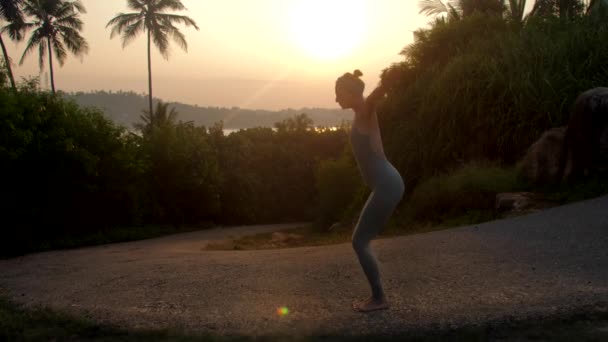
(283, 311)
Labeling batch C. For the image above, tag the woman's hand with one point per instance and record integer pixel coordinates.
(390, 77)
(374, 97)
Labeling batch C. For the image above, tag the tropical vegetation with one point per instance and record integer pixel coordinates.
(473, 91)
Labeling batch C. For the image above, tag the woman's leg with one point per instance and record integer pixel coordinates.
(374, 216)
(370, 223)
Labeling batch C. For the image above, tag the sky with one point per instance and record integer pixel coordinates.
(257, 54)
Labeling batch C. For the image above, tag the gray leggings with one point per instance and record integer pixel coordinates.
(386, 194)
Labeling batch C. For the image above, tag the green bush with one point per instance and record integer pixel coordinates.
(472, 187)
(338, 182)
(65, 170)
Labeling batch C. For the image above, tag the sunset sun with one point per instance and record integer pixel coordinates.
(327, 29)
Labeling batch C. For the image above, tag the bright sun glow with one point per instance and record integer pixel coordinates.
(327, 29)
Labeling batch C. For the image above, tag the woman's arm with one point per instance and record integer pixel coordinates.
(374, 97)
(388, 79)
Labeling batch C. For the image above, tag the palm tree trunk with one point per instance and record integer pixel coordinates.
(8, 64)
(150, 76)
(51, 65)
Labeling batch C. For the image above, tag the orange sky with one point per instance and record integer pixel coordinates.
(269, 54)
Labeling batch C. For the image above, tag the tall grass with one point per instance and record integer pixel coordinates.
(482, 89)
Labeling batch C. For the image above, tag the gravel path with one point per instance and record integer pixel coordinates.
(543, 264)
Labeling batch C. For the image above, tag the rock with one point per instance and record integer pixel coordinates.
(521, 202)
(221, 245)
(295, 237)
(514, 201)
(541, 164)
(586, 140)
(335, 226)
(577, 150)
(280, 237)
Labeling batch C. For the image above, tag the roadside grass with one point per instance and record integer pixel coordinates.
(464, 196)
(110, 235)
(312, 236)
(43, 324)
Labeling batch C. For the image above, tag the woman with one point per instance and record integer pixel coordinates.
(383, 179)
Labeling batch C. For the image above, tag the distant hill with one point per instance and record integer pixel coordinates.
(125, 109)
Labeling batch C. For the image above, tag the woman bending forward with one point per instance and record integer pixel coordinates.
(383, 179)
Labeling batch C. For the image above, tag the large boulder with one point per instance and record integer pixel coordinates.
(577, 150)
(586, 140)
(541, 164)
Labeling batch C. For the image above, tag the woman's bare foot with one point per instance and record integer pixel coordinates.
(370, 304)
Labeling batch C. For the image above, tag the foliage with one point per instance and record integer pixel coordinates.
(69, 172)
(338, 183)
(470, 187)
(181, 170)
(269, 175)
(65, 169)
(480, 89)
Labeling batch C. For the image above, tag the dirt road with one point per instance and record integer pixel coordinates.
(536, 265)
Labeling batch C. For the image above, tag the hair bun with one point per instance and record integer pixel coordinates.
(357, 73)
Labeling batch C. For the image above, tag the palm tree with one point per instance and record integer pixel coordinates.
(158, 119)
(158, 26)
(56, 27)
(565, 9)
(437, 7)
(457, 9)
(516, 11)
(597, 7)
(10, 11)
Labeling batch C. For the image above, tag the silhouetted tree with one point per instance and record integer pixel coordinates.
(10, 11)
(56, 27)
(157, 25)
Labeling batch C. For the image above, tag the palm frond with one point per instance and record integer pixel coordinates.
(73, 40)
(16, 30)
(59, 50)
(131, 32)
(172, 116)
(123, 21)
(72, 21)
(136, 5)
(177, 37)
(32, 8)
(175, 5)
(78, 6)
(454, 13)
(42, 47)
(179, 19)
(35, 39)
(159, 37)
(10, 10)
(431, 7)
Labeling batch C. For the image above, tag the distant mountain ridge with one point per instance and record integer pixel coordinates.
(125, 109)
